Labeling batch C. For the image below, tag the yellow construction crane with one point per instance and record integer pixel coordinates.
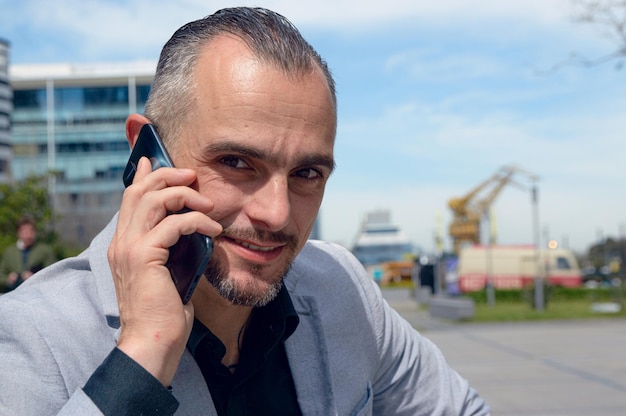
(470, 209)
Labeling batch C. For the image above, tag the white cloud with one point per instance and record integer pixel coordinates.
(360, 14)
(99, 28)
(484, 109)
(578, 156)
(441, 67)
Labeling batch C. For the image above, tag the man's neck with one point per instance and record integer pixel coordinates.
(225, 320)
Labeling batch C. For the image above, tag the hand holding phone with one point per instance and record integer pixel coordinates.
(189, 257)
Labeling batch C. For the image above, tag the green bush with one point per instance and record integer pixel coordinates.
(552, 294)
(601, 294)
(503, 295)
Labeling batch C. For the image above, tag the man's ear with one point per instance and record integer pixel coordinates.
(134, 123)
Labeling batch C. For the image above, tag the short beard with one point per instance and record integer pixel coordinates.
(256, 293)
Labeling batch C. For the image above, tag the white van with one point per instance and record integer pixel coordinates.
(514, 267)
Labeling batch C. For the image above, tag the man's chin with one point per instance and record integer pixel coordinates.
(246, 283)
(251, 297)
(247, 290)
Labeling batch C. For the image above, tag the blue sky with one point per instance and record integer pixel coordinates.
(433, 100)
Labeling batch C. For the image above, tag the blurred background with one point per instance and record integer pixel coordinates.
(502, 118)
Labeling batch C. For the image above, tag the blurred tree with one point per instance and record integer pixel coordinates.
(27, 197)
(610, 254)
(610, 17)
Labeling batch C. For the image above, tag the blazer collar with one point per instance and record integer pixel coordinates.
(101, 271)
(307, 353)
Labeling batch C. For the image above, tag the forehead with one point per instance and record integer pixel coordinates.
(226, 63)
(239, 96)
(26, 227)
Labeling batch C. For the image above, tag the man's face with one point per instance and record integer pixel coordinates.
(262, 146)
(27, 233)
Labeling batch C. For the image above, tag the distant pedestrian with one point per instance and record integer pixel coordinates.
(25, 258)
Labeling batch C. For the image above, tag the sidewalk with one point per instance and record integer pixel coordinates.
(533, 368)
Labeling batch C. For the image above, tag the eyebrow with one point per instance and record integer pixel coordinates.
(314, 159)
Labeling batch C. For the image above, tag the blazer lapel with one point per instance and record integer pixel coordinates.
(308, 359)
(191, 390)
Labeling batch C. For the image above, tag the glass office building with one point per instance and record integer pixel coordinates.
(5, 111)
(68, 123)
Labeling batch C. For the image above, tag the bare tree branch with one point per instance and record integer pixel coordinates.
(610, 17)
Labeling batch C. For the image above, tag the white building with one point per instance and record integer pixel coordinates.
(6, 106)
(68, 122)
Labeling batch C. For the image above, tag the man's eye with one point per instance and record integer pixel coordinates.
(234, 162)
(308, 173)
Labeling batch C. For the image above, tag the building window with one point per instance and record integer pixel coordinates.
(142, 94)
(105, 95)
(29, 99)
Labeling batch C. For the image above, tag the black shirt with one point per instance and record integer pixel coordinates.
(262, 383)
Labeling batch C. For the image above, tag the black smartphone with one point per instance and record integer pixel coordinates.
(189, 257)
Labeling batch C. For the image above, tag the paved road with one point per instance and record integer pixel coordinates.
(533, 368)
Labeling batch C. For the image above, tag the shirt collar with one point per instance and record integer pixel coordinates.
(279, 313)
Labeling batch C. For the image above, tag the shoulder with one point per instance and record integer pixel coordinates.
(58, 302)
(64, 282)
(57, 294)
(72, 285)
(53, 334)
(331, 274)
(321, 261)
(10, 251)
(42, 247)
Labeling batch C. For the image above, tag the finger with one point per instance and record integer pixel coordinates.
(131, 197)
(154, 206)
(173, 226)
(152, 246)
(162, 177)
(146, 180)
(144, 167)
(137, 249)
(189, 315)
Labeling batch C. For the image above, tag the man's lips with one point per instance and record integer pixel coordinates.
(256, 252)
(255, 247)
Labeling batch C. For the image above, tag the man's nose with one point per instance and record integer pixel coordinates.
(270, 205)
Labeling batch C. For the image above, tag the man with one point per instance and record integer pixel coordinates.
(279, 326)
(26, 257)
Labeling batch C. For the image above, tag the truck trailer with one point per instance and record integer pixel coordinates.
(515, 267)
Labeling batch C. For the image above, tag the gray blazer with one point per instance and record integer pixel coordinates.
(350, 355)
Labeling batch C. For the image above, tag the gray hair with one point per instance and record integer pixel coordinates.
(271, 37)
